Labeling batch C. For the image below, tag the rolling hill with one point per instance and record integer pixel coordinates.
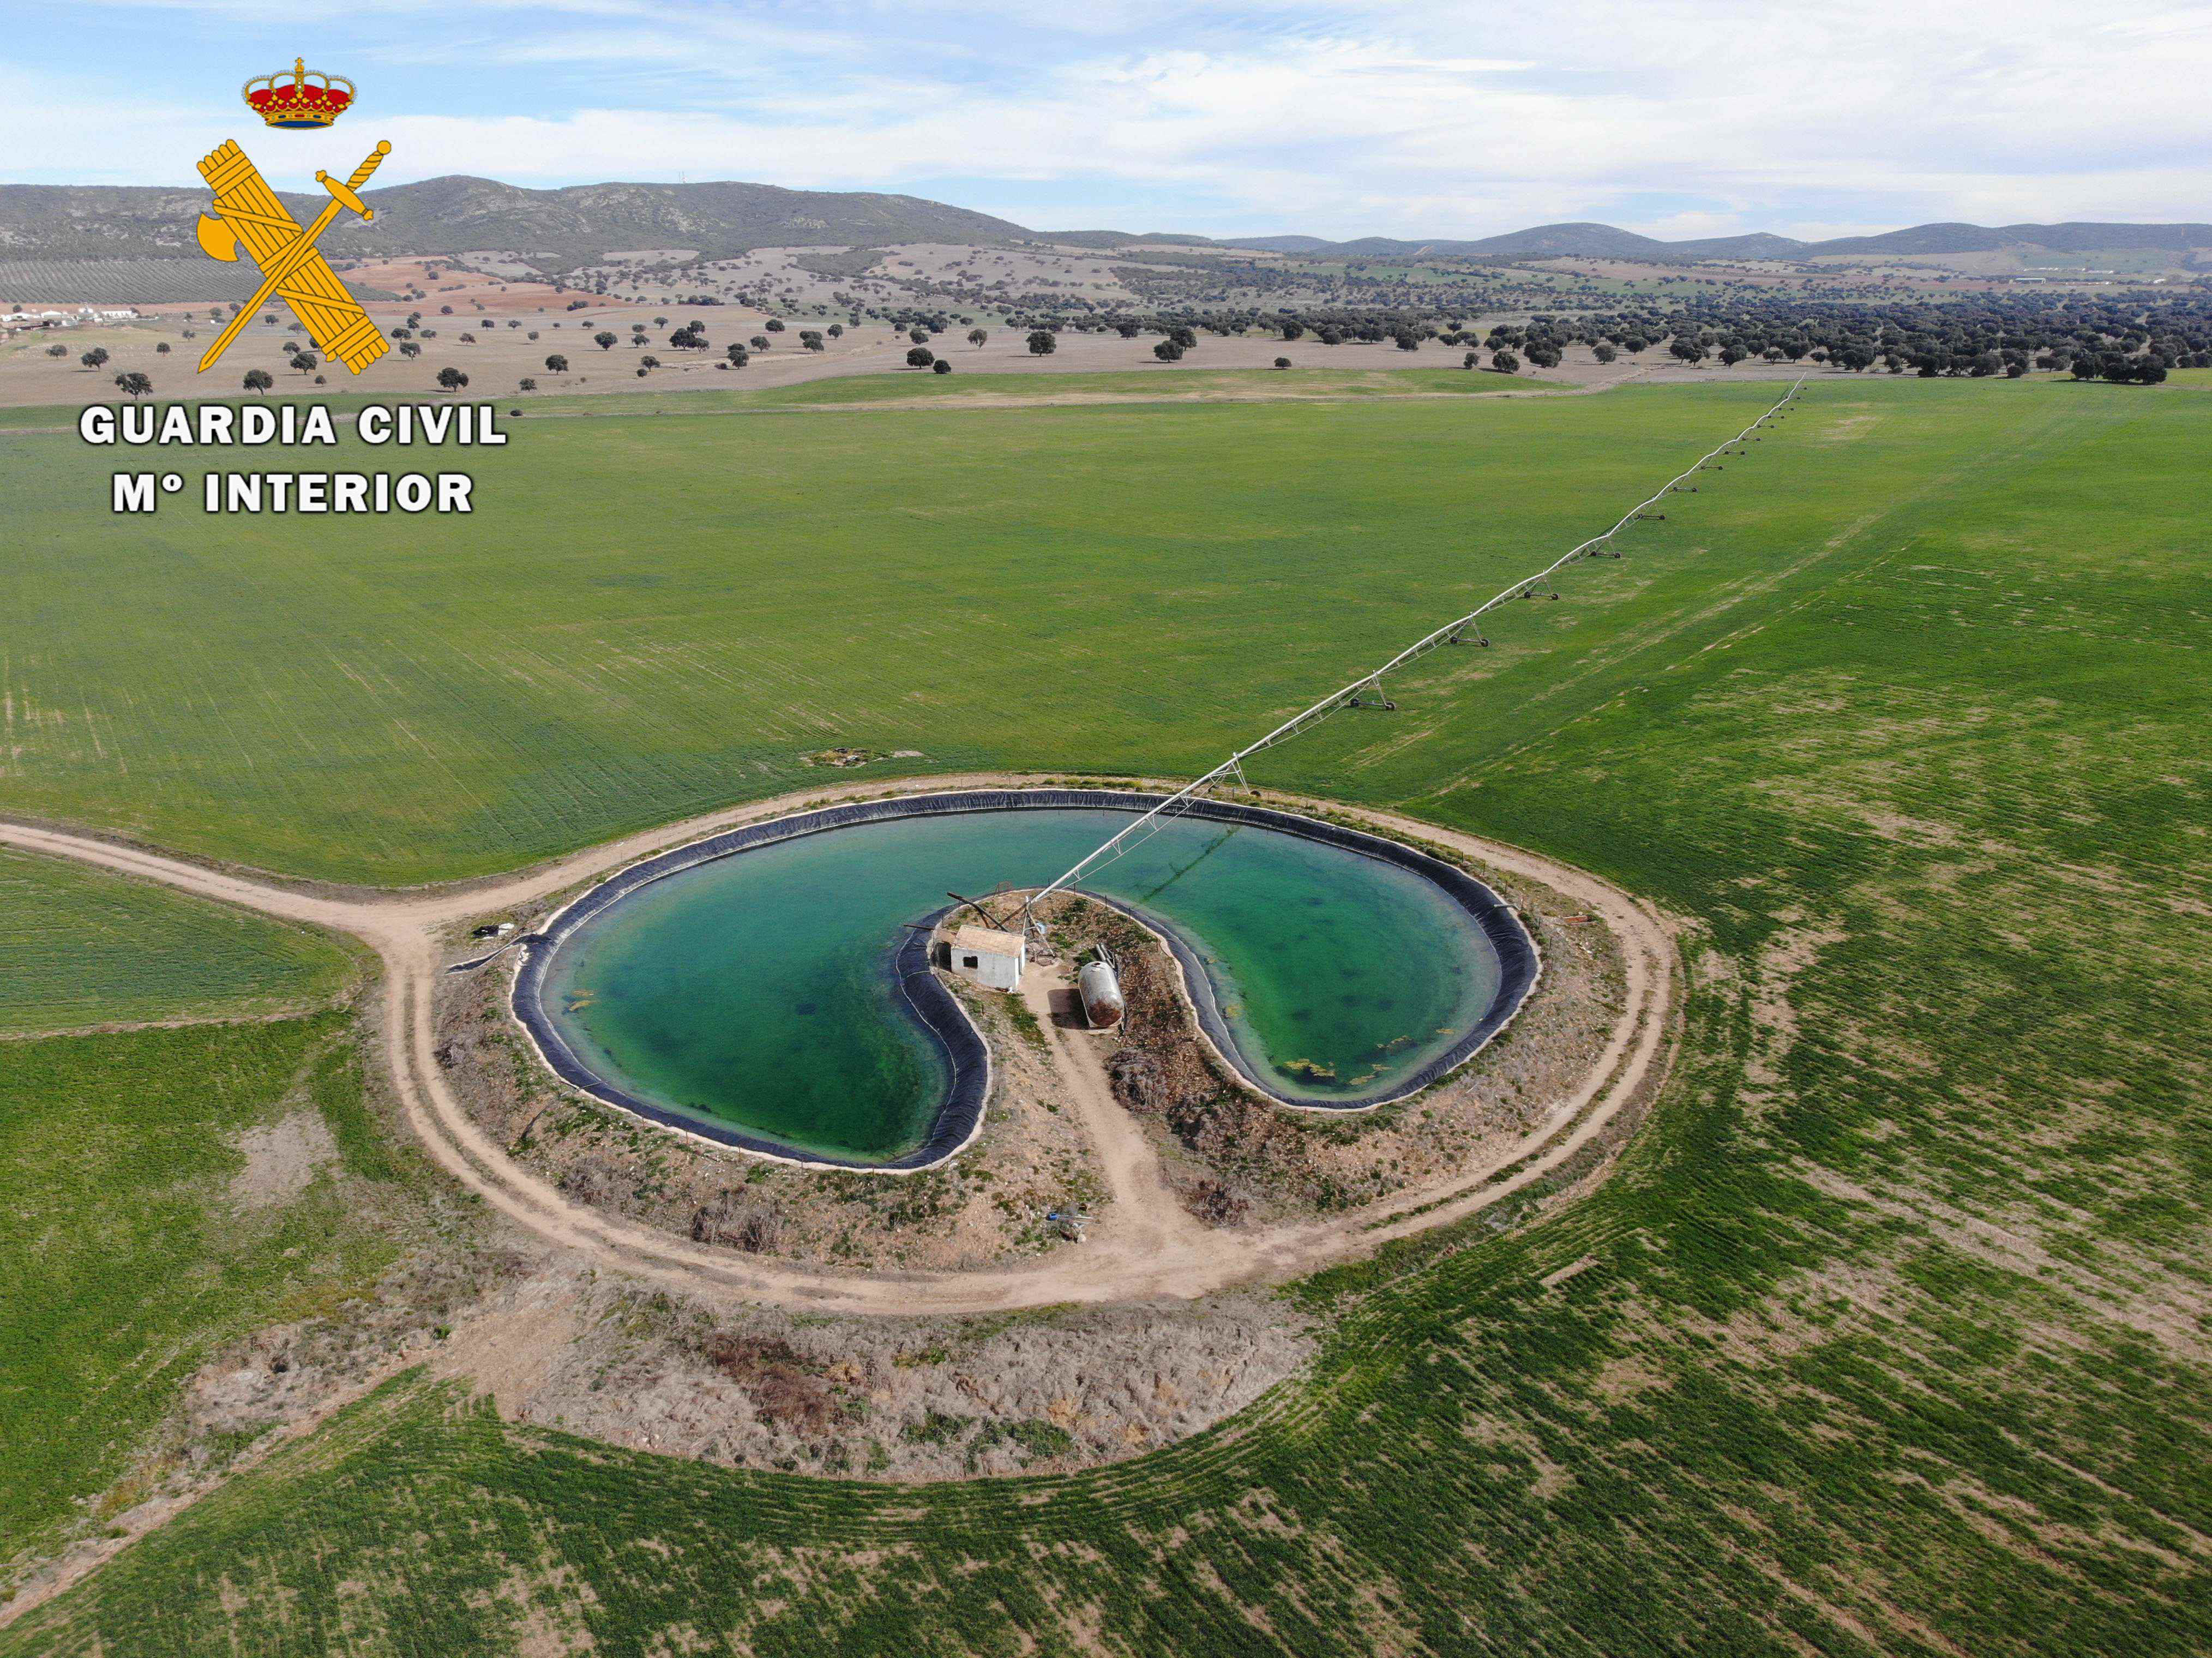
(584, 223)
(1603, 241)
(456, 215)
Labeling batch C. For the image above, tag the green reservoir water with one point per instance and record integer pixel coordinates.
(754, 990)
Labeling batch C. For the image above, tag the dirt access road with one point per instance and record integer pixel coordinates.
(1144, 1247)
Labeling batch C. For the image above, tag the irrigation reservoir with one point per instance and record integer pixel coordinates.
(769, 988)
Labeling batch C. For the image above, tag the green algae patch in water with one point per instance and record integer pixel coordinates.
(757, 993)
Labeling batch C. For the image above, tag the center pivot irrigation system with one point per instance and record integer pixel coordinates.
(1367, 692)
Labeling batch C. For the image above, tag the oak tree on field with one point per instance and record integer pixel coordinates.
(133, 383)
(603, 339)
(452, 378)
(259, 379)
(556, 364)
(919, 356)
(976, 336)
(1043, 342)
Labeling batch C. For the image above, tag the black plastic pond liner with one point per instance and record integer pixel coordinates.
(939, 1011)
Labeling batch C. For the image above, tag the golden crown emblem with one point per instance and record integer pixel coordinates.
(299, 98)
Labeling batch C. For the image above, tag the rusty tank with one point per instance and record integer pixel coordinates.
(1100, 989)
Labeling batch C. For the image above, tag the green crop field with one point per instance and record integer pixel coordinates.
(1888, 1335)
(83, 947)
(139, 1236)
(647, 617)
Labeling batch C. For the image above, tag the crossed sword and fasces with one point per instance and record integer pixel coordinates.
(247, 212)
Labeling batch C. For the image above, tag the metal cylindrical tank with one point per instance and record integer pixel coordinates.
(1102, 994)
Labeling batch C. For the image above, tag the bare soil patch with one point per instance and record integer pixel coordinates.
(282, 1159)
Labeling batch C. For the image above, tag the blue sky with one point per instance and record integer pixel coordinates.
(1676, 117)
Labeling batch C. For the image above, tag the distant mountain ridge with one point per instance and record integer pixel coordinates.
(1602, 242)
(460, 215)
(583, 223)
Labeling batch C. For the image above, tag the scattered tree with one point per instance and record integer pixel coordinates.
(452, 378)
(259, 379)
(556, 364)
(133, 383)
(1043, 342)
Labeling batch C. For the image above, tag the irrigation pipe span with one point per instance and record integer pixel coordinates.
(1349, 696)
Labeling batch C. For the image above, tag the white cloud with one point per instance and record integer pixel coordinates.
(1429, 117)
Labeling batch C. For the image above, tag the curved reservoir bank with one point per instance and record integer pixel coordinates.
(769, 988)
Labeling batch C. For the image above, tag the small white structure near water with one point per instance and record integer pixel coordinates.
(989, 956)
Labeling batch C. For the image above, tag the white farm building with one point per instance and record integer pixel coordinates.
(989, 956)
